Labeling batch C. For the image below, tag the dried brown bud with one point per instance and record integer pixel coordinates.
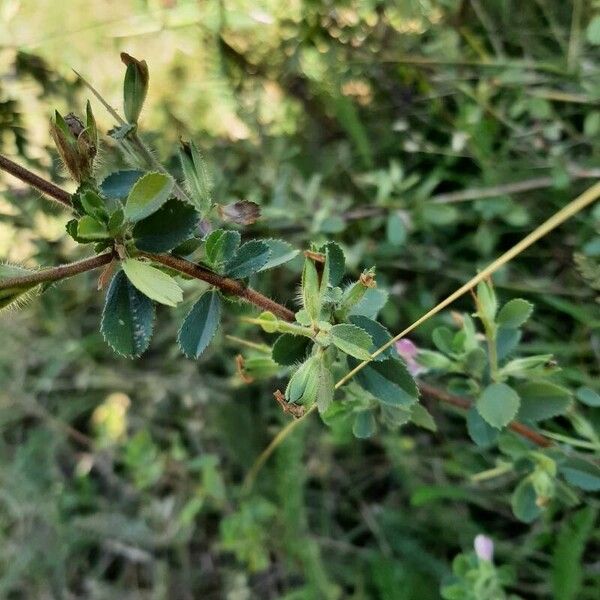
(242, 212)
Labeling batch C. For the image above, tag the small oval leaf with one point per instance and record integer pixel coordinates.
(152, 282)
(147, 195)
(200, 325)
(127, 318)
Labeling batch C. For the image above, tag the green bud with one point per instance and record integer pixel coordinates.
(77, 144)
(135, 87)
(353, 294)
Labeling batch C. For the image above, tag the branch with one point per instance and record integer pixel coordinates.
(60, 272)
(46, 187)
(465, 404)
(227, 285)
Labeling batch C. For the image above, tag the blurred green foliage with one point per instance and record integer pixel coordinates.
(424, 137)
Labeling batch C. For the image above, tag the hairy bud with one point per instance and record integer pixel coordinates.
(135, 87)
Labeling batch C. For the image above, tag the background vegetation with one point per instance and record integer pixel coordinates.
(424, 137)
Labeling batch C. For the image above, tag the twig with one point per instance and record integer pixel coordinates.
(465, 404)
(227, 285)
(44, 186)
(234, 287)
(134, 138)
(60, 272)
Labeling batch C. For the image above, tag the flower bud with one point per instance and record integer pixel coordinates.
(77, 144)
(135, 87)
(484, 547)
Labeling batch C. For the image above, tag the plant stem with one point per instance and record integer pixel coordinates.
(60, 272)
(135, 140)
(44, 186)
(227, 285)
(234, 287)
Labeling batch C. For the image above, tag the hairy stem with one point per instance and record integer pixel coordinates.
(60, 272)
(35, 181)
(227, 285)
(234, 287)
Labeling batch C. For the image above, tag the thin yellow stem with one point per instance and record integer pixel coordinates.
(579, 203)
(576, 205)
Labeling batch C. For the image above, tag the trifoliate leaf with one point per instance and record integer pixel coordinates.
(514, 313)
(337, 262)
(420, 416)
(221, 245)
(127, 317)
(498, 404)
(378, 333)
(389, 381)
(524, 502)
(90, 230)
(480, 431)
(147, 195)
(249, 259)
(152, 282)
(581, 473)
(168, 227)
(118, 185)
(352, 340)
(281, 252)
(200, 324)
(364, 425)
(542, 400)
(290, 349)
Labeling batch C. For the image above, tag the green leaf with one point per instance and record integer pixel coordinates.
(152, 282)
(389, 381)
(127, 318)
(290, 349)
(17, 293)
(281, 252)
(94, 205)
(200, 325)
(395, 229)
(498, 404)
(592, 33)
(147, 195)
(221, 245)
(542, 400)
(118, 185)
(197, 178)
(135, 86)
(420, 416)
(483, 434)
(90, 230)
(168, 227)
(337, 262)
(311, 291)
(379, 334)
(581, 473)
(442, 338)
(487, 302)
(364, 424)
(371, 303)
(249, 259)
(514, 313)
(352, 340)
(588, 396)
(524, 502)
(567, 571)
(507, 341)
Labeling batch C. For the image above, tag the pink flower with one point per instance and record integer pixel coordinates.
(408, 351)
(484, 547)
